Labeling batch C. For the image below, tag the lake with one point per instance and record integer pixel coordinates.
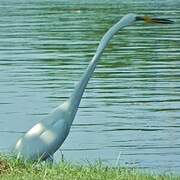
(130, 111)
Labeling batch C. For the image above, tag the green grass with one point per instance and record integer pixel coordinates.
(11, 169)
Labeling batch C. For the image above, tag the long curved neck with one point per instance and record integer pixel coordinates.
(79, 89)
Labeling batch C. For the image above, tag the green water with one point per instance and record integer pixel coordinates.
(131, 106)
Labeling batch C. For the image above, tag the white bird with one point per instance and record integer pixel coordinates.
(46, 137)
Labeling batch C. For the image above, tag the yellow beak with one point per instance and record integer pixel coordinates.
(148, 19)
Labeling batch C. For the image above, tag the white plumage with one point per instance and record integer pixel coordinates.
(45, 137)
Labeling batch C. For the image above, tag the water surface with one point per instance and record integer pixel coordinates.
(131, 106)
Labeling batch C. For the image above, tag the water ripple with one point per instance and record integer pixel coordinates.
(132, 102)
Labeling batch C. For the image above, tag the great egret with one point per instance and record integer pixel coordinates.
(46, 137)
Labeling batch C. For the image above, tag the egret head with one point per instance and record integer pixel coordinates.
(131, 18)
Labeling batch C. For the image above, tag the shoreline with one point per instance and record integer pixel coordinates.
(12, 169)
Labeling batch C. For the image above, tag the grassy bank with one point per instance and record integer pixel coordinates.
(10, 169)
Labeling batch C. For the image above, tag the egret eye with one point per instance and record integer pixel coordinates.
(139, 18)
